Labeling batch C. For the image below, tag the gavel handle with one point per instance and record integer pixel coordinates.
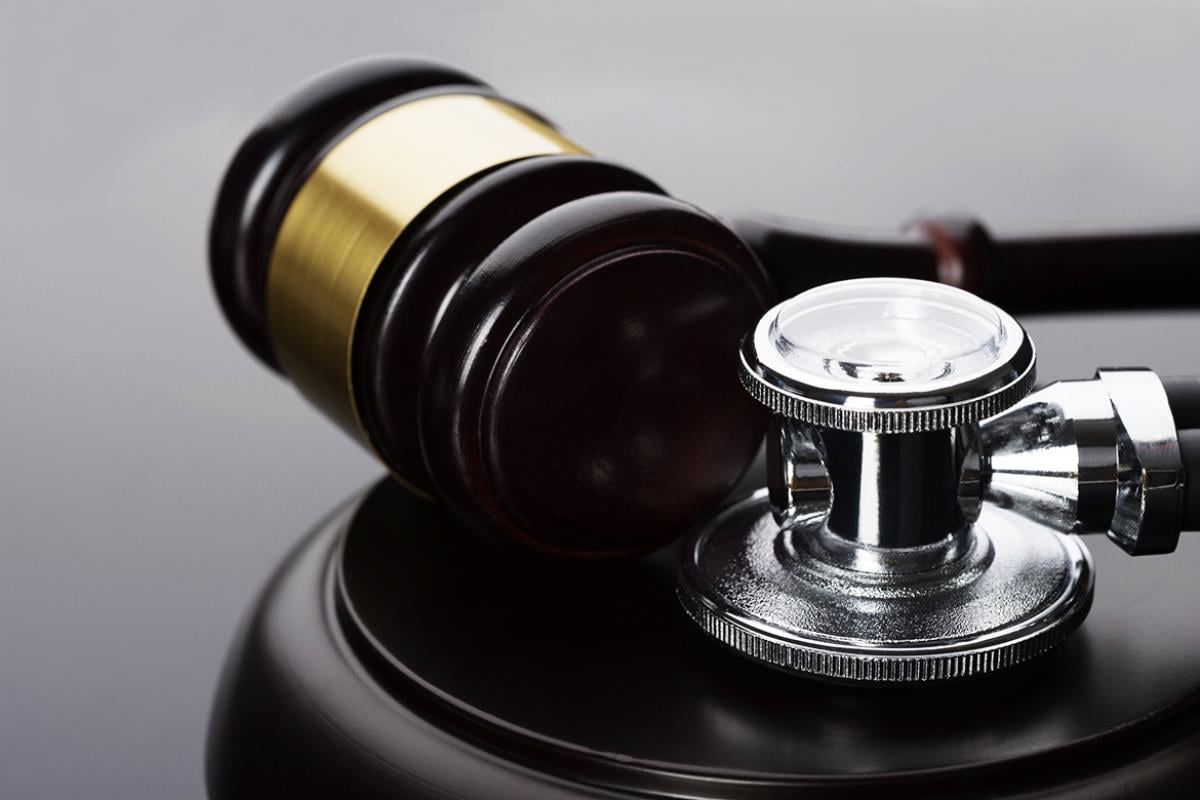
(1070, 271)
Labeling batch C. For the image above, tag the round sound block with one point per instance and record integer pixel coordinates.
(393, 655)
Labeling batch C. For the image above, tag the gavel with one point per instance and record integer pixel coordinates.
(1024, 272)
(537, 337)
(541, 339)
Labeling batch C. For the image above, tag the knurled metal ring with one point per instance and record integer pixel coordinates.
(1016, 595)
(891, 413)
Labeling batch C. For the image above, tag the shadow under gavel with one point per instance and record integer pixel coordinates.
(1072, 270)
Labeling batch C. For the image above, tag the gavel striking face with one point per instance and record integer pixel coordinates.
(538, 338)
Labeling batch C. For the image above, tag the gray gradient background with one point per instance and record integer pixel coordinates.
(151, 474)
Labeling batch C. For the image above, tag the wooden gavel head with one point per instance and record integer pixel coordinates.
(540, 339)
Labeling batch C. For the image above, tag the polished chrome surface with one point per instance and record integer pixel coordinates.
(887, 355)
(797, 479)
(1151, 478)
(1087, 455)
(880, 490)
(881, 550)
(1053, 457)
(894, 490)
(895, 346)
(770, 594)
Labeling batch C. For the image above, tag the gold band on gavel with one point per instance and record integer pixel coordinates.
(349, 212)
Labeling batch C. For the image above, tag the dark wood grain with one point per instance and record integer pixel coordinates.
(581, 395)
(270, 165)
(424, 269)
(392, 656)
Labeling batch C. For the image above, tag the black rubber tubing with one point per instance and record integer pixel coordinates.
(1189, 449)
(1183, 396)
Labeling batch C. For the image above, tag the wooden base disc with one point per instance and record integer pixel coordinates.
(393, 655)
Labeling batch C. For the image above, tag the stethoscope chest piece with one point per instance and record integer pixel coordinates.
(872, 556)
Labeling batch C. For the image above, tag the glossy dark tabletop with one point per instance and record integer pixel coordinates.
(152, 474)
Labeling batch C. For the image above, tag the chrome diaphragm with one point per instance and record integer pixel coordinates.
(878, 552)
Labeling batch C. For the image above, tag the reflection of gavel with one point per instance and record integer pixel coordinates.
(1072, 271)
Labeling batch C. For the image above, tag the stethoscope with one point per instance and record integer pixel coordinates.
(922, 494)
